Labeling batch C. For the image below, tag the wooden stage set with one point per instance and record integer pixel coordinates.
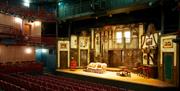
(133, 82)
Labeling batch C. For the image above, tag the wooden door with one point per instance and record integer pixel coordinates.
(83, 58)
(115, 58)
(127, 57)
(91, 55)
(117, 61)
(63, 59)
(27, 29)
(131, 57)
(168, 58)
(110, 58)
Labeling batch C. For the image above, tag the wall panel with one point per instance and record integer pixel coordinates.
(15, 53)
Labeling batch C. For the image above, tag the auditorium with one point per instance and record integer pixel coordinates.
(89, 45)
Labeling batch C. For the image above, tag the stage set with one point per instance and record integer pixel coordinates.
(124, 56)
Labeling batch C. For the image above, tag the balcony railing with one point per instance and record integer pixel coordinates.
(48, 41)
(27, 13)
(68, 10)
(9, 31)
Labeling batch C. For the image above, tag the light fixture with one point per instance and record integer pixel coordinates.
(60, 3)
(37, 23)
(28, 50)
(44, 50)
(26, 3)
(150, 3)
(18, 20)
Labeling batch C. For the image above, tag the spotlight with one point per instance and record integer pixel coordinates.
(150, 3)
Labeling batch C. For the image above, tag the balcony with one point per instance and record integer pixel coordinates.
(12, 35)
(103, 7)
(7, 31)
(38, 41)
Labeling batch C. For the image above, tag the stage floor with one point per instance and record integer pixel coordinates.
(135, 79)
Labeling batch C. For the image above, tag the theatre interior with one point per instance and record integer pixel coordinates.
(89, 45)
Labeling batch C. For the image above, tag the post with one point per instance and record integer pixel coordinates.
(162, 18)
(57, 29)
(69, 31)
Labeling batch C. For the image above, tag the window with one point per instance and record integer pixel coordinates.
(119, 37)
(127, 35)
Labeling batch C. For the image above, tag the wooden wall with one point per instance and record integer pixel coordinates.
(108, 50)
(35, 27)
(8, 20)
(15, 53)
(100, 45)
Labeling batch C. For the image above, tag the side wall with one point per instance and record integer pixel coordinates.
(16, 53)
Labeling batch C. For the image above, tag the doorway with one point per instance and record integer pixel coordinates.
(168, 58)
(63, 59)
(83, 58)
(27, 30)
(114, 58)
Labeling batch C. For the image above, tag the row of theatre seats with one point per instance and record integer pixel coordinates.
(18, 67)
(27, 82)
(21, 77)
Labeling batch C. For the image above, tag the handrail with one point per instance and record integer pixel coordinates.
(7, 31)
(67, 10)
(41, 40)
(28, 13)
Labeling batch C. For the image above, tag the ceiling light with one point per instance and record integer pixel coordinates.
(18, 20)
(37, 23)
(27, 1)
(26, 4)
(60, 3)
